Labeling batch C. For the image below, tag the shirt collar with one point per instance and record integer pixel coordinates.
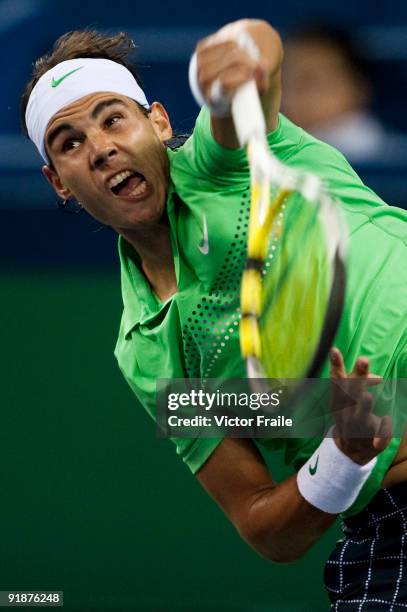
(141, 305)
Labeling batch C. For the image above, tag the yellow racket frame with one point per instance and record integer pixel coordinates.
(264, 213)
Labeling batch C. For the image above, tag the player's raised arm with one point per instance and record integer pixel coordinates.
(224, 61)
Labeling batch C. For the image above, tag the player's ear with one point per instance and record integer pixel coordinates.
(161, 122)
(55, 182)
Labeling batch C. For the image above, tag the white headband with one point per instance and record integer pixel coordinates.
(69, 81)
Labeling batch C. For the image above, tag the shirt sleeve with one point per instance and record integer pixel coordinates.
(142, 375)
(193, 451)
(209, 161)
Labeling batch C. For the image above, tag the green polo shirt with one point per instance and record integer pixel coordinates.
(195, 333)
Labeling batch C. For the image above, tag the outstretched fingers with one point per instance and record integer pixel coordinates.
(337, 364)
(384, 434)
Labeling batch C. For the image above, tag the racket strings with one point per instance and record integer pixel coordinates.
(267, 205)
(296, 292)
(291, 295)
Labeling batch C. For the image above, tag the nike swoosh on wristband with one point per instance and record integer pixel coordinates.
(204, 246)
(313, 468)
(55, 82)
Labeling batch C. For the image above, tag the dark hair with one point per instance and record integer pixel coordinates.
(89, 43)
(82, 43)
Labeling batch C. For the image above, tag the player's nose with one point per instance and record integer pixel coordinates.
(101, 150)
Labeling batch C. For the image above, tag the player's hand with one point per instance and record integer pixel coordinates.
(358, 433)
(223, 62)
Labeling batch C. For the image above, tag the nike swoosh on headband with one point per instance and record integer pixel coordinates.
(313, 468)
(55, 82)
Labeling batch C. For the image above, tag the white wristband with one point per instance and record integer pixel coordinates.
(329, 480)
(218, 104)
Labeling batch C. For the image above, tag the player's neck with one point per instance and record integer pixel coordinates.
(153, 245)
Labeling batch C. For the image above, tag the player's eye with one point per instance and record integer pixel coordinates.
(113, 119)
(70, 143)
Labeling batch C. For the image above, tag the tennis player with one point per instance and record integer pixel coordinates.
(182, 222)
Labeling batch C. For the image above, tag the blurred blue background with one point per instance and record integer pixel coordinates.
(166, 34)
(92, 502)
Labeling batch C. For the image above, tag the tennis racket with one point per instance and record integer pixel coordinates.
(293, 284)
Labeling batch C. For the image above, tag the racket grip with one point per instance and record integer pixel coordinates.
(248, 114)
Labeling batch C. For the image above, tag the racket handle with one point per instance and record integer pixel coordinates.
(248, 114)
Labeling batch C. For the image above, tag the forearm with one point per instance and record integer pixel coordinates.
(281, 525)
(283, 521)
(274, 519)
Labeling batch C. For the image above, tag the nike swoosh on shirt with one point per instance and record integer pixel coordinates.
(55, 82)
(204, 246)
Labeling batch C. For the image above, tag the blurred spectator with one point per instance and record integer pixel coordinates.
(327, 92)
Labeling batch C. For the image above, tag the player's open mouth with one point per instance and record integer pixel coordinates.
(129, 184)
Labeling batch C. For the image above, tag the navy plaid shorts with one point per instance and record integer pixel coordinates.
(367, 571)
